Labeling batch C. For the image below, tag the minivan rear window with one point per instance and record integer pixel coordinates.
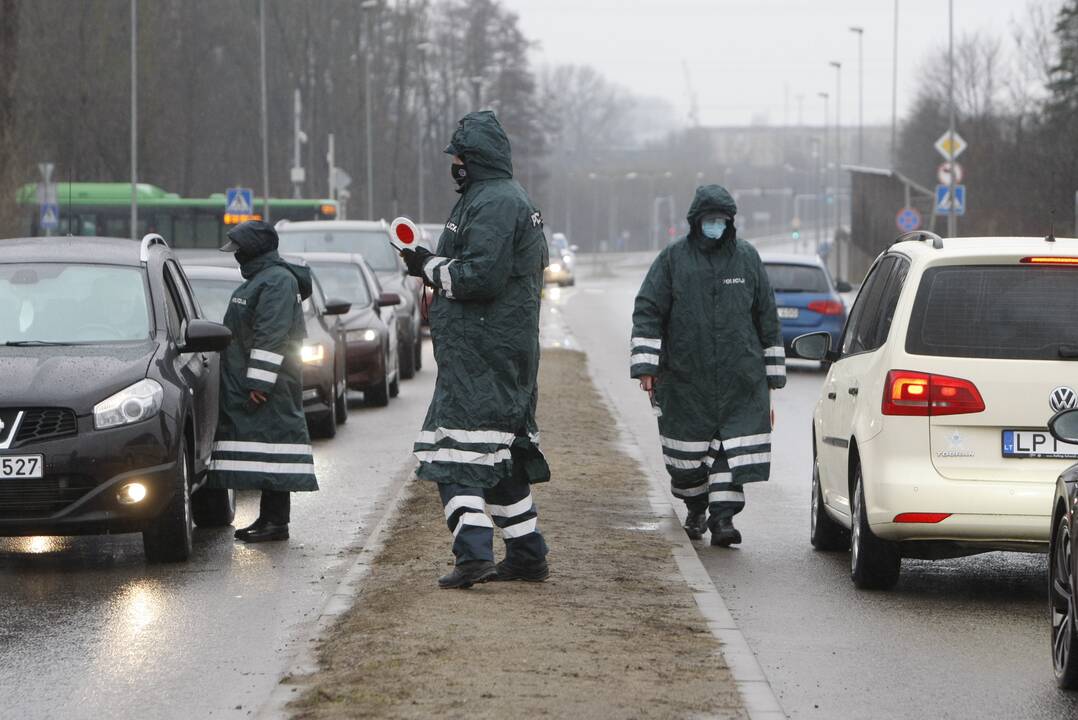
(788, 278)
(995, 311)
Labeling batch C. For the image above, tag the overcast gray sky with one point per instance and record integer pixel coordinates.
(745, 57)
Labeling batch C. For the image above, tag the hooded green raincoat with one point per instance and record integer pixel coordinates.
(706, 327)
(488, 279)
(264, 447)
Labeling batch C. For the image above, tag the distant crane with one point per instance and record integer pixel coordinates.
(694, 106)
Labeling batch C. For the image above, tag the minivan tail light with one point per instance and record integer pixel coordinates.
(827, 307)
(1049, 260)
(926, 395)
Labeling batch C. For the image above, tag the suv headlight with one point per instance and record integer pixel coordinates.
(139, 402)
(366, 335)
(313, 354)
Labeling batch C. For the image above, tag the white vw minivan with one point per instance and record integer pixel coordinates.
(930, 436)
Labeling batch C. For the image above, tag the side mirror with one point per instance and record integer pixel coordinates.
(843, 287)
(814, 346)
(335, 306)
(389, 300)
(1064, 426)
(205, 336)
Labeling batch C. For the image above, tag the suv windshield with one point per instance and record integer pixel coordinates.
(60, 303)
(797, 278)
(1003, 312)
(343, 281)
(373, 245)
(213, 296)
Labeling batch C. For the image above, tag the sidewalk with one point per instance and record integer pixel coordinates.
(615, 632)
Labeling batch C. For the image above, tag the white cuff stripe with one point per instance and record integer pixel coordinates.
(519, 529)
(433, 265)
(262, 467)
(473, 519)
(747, 441)
(753, 459)
(508, 511)
(473, 502)
(647, 342)
(775, 352)
(644, 359)
(689, 492)
(726, 496)
(446, 279)
(776, 371)
(263, 375)
(682, 464)
(722, 476)
(267, 356)
(466, 457)
(261, 447)
(684, 446)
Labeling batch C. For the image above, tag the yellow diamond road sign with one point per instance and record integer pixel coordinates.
(950, 147)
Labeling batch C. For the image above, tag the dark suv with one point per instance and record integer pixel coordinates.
(109, 402)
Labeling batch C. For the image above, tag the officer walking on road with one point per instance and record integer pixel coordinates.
(262, 442)
(707, 347)
(480, 438)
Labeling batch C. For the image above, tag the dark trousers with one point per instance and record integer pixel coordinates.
(716, 491)
(510, 504)
(275, 506)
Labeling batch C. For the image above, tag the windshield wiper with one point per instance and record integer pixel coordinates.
(33, 343)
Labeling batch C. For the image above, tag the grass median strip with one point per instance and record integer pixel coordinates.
(613, 633)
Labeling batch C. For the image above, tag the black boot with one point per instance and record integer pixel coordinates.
(269, 532)
(724, 534)
(242, 533)
(696, 523)
(468, 573)
(536, 572)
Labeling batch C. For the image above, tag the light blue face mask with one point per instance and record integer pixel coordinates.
(713, 228)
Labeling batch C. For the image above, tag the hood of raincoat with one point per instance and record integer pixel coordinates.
(302, 273)
(710, 199)
(254, 237)
(483, 145)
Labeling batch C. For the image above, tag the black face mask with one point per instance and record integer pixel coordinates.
(243, 257)
(459, 173)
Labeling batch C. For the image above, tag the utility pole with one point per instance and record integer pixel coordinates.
(366, 6)
(860, 31)
(825, 155)
(952, 217)
(894, 95)
(332, 162)
(265, 112)
(838, 142)
(299, 175)
(134, 125)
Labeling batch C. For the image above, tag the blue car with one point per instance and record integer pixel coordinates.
(807, 299)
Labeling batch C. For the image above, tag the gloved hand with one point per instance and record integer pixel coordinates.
(416, 259)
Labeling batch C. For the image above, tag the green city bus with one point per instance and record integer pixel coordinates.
(104, 209)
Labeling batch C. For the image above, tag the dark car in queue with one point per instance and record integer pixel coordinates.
(109, 402)
(807, 299)
(369, 238)
(325, 394)
(1063, 552)
(370, 327)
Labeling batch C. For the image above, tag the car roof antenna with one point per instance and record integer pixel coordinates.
(1051, 226)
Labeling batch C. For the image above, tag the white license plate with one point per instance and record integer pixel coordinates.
(21, 467)
(1036, 444)
(789, 313)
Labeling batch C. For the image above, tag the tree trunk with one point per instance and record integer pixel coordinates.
(9, 29)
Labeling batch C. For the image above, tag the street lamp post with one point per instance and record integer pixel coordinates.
(134, 124)
(952, 217)
(822, 173)
(421, 120)
(265, 112)
(894, 94)
(365, 6)
(860, 31)
(838, 142)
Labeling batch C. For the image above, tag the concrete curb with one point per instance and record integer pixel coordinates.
(756, 692)
(304, 661)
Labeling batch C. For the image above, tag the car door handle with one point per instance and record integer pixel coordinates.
(853, 391)
(832, 396)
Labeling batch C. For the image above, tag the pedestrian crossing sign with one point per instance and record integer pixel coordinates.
(50, 216)
(946, 205)
(239, 201)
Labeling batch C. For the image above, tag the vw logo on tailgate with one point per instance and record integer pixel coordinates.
(1063, 398)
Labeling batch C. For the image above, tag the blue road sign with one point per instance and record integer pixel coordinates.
(944, 203)
(908, 220)
(50, 216)
(239, 201)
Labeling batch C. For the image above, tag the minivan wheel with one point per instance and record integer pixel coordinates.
(824, 533)
(1064, 612)
(379, 394)
(213, 507)
(168, 539)
(406, 353)
(874, 563)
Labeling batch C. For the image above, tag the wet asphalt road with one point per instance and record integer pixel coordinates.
(964, 638)
(89, 630)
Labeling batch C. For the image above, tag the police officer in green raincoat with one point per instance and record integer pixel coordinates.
(480, 440)
(707, 346)
(262, 442)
